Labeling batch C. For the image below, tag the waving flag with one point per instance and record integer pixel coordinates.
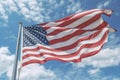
(69, 39)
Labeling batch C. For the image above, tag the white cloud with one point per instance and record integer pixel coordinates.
(116, 78)
(4, 50)
(93, 71)
(106, 58)
(3, 14)
(105, 4)
(6, 60)
(36, 72)
(33, 72)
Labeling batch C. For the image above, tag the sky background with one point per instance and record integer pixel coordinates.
(103, 66)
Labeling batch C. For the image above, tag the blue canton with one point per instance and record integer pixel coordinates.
(34, 35)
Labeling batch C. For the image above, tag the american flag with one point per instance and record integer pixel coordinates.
(69, 39)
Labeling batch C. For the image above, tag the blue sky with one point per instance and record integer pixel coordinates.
(103, 66)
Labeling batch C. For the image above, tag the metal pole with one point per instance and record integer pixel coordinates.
(19, 69)
(14, 74)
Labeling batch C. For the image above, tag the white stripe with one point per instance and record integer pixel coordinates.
(35, 46)
(109, 12)
(53, 23)
(81, 13)
(94, 24)
(51, 29)
(111, 29)
(59, 28)
(36, 58)
(61, 34)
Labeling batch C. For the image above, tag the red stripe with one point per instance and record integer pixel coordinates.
(101, 26)
(67, 37)
(57, 31)
(42, 24)
(46, 27)
(33, 61)
(66, 18)
(38, 48)
(93, 19)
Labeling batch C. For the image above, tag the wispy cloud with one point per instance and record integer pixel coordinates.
(6, 8)
(93, 71)
(104, 4)
(37, 11)
(11, 37)
(74, 7)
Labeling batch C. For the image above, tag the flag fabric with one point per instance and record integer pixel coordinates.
(69, 39)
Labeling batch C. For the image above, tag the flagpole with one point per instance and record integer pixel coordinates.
(14, 73)
(19, 69)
